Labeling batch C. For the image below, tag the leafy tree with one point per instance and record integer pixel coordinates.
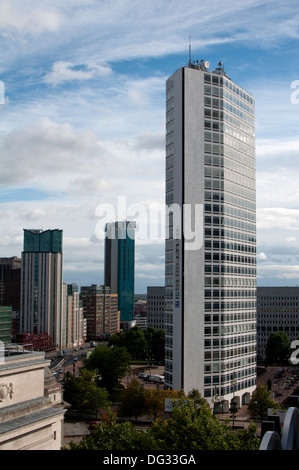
(188, 429)
(260, 402)
(142, 345)
(157, 344)
(82, 393)
(136, 343)
(110, 435)
(112, 364)
(196, 397)
(278, 349)
(191, 428)
(154, 402)
(132, 400)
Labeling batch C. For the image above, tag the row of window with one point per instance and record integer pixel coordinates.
(223, 306)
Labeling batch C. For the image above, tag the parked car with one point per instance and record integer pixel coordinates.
(142, 375)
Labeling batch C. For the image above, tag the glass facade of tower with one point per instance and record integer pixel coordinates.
(210, 160)
(120, 265)
(38, 241)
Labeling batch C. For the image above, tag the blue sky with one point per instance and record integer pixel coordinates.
(84, 119)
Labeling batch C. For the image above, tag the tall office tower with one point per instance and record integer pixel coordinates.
(120, 266)
(41, 289)
(210, 254)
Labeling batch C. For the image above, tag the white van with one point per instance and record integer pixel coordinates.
(157, 379)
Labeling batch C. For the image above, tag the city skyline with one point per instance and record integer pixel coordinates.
(84, 119)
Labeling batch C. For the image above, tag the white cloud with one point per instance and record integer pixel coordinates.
(66, 71)
(291, 240)
(282, 218)
(47, 152)
(34, 20)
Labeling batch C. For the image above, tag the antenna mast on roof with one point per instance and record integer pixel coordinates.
(189, 49)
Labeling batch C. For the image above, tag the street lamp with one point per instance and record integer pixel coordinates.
(233, 405)
(96, 381)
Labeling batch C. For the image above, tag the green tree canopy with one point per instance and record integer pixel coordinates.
(112, 364)
(278, 349)
(260, 402)
(142, 345)
(189, 428)
(132, 400)
(81, 392)
(110, 435)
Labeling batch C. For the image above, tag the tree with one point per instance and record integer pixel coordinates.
(112, 364)
(132, 400)
(260, 402)
(110, 435)
(157, 344)
(136, 344)
(191, 428)
(154, 402)
(142, 345)
(82, 393)
(196, 397)
(278, 349)
(188, 429)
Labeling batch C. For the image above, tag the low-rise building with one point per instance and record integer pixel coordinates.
(277, 310)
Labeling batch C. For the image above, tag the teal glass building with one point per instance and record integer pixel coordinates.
(119, 270)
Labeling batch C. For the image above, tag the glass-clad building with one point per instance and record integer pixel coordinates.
(119, 270)
(210, 251)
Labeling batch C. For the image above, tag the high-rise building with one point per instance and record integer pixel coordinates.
(119, 271)
(100, 309)
(210, 252)
(41, 285)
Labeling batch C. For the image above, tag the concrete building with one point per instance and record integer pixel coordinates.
(100, 309)
(31, 405)
(41, 285)
(156, 307)
(119, 270)
(277, 310)
(210, 249)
